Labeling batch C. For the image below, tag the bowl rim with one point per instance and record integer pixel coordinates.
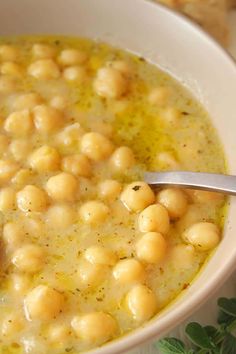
(152, 329)
(148, 332)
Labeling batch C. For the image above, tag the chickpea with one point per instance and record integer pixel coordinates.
(13, 235)
(8, 53)
(93, 212)
(167, 161)
(8, 84)
(109, 189)
(159, 96)
(29, 258)
(43, 303)
(20, 283)
(19, 123)
(27, 101)
(182, 256)
(69, 57)
(60, 216)
(31, 198)
(7, 199)
(102, 127)
(12, 69)
(205, 197)
(142, 303)
(20, 148)
(171, 116)
(22, 177)
(94, 327)
(70, 136)
(12, 325)
(47, 119)
(75, 73)
(62, 187)
(137, 196)
(110, 83)
(154, 218)
(45, 159)
(122, 159)
(59, 102)
(4, 142)
(151, 248)
(43, 51)
(203, 235)
(129, 271)
(78, 165)
(96, 146)
(91, 275)
(58, 333)
(100, 255)
(7, 170)
(194, 214)
(44, 69)
(122, 66)
(175, 201)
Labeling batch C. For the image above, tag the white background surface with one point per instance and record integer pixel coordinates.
(207, 313)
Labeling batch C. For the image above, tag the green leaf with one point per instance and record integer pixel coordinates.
(171, 346)
(224, 319)
(228, 345)
(228, 306)
(211, 331)
(215, 334)
(198, 336)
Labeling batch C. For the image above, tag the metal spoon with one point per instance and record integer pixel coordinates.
(194, 180)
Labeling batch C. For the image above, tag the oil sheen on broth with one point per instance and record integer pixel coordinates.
(88, 251)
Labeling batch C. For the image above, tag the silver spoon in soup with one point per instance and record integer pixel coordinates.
(194, 180)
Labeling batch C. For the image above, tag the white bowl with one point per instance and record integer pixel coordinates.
(179, 47)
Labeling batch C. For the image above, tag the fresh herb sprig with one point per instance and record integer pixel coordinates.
(207, 339)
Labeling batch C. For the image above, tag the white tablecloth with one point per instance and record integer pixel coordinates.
(207, 313)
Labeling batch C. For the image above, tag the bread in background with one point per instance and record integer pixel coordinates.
(231, 3)
(210, 14)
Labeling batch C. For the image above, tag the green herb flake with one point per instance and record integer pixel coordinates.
(136, 188)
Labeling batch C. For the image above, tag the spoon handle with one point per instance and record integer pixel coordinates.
(194, 180)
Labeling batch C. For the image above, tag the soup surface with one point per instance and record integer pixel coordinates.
(89, 251)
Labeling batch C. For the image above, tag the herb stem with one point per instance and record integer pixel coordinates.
(231, 326)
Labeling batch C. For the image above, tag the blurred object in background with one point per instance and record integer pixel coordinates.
(210, 14)
(231, 3)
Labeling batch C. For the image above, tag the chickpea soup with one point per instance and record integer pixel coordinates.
(88, 250)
